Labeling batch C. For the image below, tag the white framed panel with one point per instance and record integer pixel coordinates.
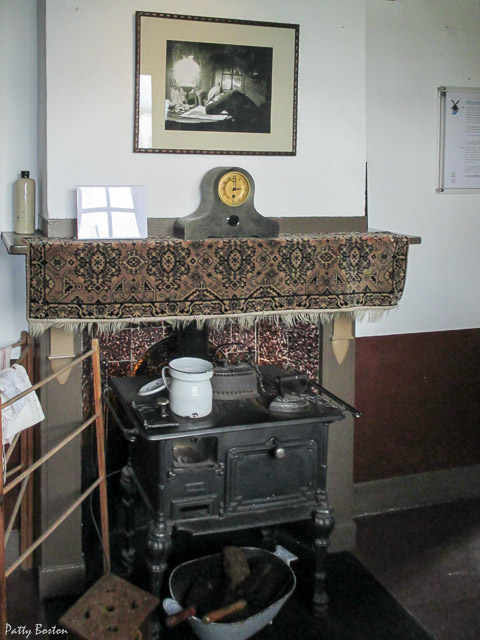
(459, 140)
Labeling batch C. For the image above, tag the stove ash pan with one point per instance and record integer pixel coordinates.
(258, 613)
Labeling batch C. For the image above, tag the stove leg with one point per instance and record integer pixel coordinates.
(323, 524)
(129, 494)
(159, 546)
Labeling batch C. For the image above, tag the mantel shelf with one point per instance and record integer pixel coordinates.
(14, 242)
(15, 245)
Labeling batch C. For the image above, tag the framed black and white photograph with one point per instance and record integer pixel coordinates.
(215, 86)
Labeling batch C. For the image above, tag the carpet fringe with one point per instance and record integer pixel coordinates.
(288, 318)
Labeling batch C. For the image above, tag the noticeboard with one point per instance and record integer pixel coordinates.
(459, 140)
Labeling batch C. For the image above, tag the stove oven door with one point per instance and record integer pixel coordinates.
(274, 474)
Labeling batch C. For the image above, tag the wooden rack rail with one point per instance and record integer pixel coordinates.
(27, 467)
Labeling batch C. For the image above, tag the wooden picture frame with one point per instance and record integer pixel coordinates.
(215, 86)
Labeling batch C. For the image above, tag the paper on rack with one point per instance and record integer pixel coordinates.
(23, 413)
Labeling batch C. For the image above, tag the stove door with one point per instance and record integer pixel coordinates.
(271, 475)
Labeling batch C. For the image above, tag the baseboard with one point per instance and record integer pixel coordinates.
(406, 492)
(61, 580)
(52, 581)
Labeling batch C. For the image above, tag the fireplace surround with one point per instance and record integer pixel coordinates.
(61, 563)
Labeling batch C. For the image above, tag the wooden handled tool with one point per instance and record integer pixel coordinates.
(219, 614)
(176, 618)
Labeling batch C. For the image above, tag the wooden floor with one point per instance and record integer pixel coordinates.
(429, 559)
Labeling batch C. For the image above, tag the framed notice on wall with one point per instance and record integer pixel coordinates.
(459, 140)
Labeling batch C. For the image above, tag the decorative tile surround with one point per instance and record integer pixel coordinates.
(271, 343)
(298, 347)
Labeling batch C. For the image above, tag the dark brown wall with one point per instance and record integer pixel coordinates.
(420, 398)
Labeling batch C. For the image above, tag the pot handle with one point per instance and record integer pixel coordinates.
(171, 606)
(165, 379)
(284, 555)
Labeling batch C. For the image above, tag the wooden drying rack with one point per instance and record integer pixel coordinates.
(24, 501)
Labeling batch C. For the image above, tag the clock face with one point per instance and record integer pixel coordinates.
(233, 188)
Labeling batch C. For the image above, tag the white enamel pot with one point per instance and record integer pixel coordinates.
(189, 386)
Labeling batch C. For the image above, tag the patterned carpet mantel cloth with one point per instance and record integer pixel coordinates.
(111, 283)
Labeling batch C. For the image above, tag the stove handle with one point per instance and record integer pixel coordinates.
(276, 449)
(128, 434)
(279, 452)
(348, 407)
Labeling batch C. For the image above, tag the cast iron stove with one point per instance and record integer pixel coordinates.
(254, 462)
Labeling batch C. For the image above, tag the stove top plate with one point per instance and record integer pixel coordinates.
(146, 415)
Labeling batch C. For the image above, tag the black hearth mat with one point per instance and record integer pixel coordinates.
(360, 609)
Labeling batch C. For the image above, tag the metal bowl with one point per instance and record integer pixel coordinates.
(183, 576)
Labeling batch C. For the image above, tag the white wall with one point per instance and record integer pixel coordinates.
(18, 145)
(412, 48)
(90, 91)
